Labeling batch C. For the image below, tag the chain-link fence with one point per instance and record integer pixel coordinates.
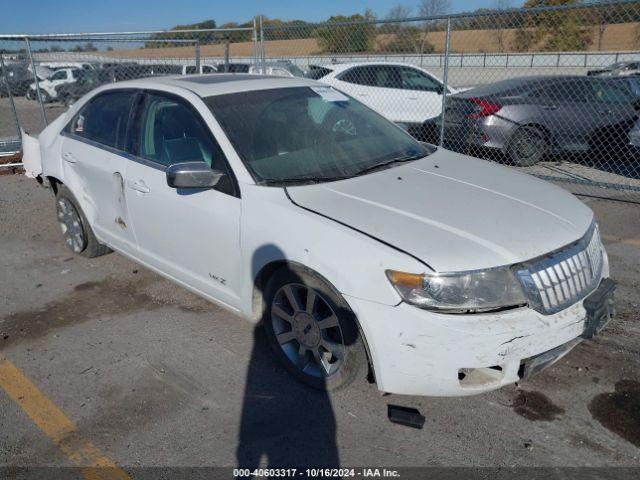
(553, 91)
(41, 76)
(531, 88)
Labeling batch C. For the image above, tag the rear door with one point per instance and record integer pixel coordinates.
(191, 235)
(93, 162)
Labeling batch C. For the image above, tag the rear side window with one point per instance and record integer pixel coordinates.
(383, 76)
(104, 119)
(563, 91)
(317, 73)
(413, 79)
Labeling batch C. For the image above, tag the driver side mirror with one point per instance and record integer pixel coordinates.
(192, 175)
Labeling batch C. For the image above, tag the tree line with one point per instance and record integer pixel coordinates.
(564, 30)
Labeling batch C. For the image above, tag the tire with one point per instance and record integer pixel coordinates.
(331, 324)
(31, 94)
(44, 96)
(76, 231)
(528, 145)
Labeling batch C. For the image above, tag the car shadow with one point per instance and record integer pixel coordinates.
(284, 423)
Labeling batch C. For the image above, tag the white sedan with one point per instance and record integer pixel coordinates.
(360, 249)
(403, 93)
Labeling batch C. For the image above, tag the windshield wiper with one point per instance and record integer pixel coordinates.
(388, 163)
(304, 179)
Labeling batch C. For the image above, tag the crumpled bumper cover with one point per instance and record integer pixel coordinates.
(419, 352)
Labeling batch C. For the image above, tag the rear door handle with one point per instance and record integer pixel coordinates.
(550, 107)
(139, 186)
(69, 158)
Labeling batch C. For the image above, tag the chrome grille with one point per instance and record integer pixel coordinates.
(561, 279)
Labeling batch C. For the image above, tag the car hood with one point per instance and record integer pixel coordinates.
(453, 212)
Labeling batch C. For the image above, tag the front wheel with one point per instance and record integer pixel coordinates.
(312, 330)
(527, 146)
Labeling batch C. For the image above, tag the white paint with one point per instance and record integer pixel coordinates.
(397, 104)
(449, 211)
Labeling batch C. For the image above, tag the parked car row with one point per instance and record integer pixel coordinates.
(521, 119)
(69, 81)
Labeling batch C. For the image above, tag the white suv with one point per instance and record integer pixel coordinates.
(48, 85)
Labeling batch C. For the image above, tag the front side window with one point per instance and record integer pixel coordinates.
(172, 131)
(59, 75)
(413, 79)
(303, 134)
(104, 119)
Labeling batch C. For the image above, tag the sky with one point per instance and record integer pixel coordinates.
(65, 16)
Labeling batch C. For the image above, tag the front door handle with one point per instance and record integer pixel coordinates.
(69, 158)
(140, 186)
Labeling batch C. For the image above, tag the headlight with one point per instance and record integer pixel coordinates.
(473, 291)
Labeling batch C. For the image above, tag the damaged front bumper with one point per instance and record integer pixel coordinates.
(420, 352)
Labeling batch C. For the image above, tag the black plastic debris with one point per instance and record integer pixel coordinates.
(407, 416)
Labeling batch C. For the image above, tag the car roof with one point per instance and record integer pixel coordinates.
(339, 67)
(218, 83)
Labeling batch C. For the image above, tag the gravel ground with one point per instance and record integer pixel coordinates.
(155, 376)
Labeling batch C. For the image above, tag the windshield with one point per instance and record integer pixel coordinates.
(309, 134)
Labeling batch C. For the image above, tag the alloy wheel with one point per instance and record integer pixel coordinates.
(529, 147)
(307, 330)
(70, 224)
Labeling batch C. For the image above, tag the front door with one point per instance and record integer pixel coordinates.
(191, 235)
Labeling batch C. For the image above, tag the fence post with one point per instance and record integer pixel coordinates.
(445, 79)
(197, 56)
(10, 96)
(255, 42)
(35, 76)
(226, 55)
(262, 52)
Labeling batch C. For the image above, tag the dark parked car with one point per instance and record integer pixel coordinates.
(526, 118)
(619, 68)
(634, 140)
(18, 79)
(87, 80)
(234, 68)
(632, 82)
